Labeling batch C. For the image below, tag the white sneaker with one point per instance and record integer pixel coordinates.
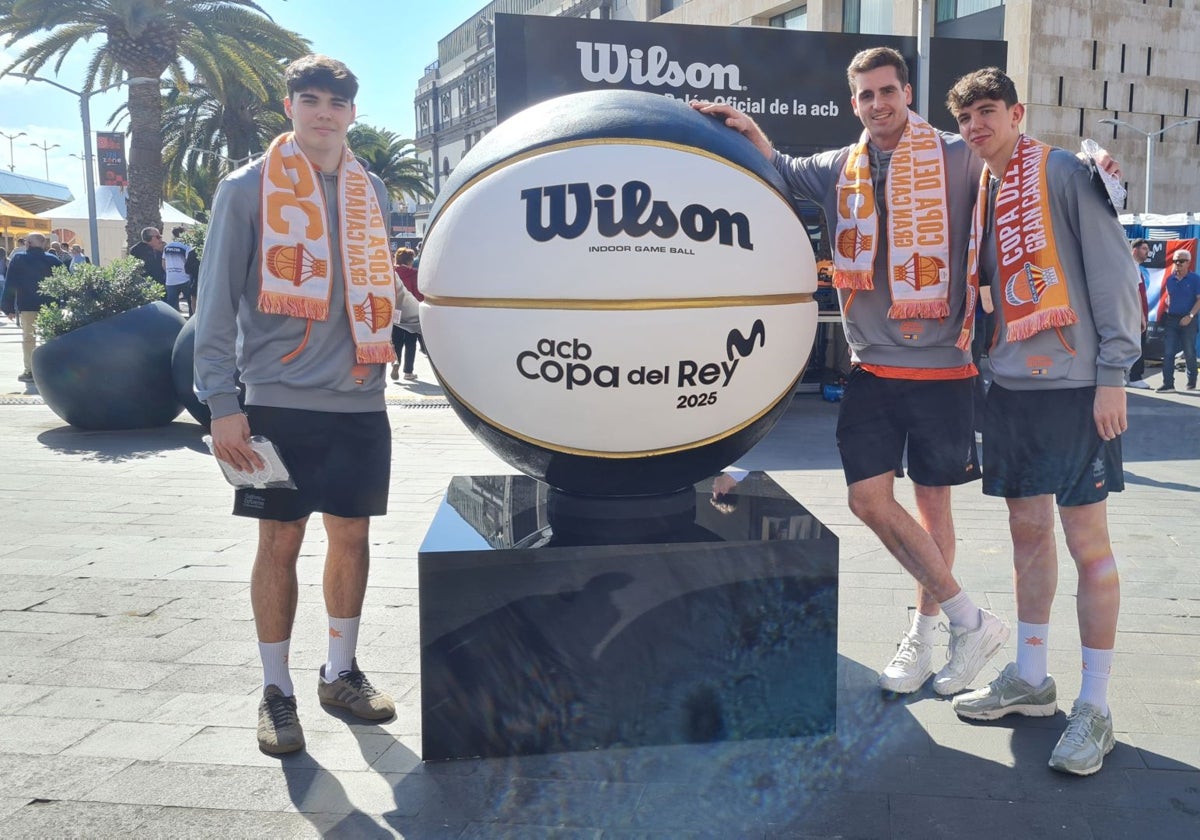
(969, 652)
(909, 668)
(1140, 384)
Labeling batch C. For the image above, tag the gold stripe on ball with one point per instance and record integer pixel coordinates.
(619, 305)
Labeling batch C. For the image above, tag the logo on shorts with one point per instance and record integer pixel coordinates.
(254, 500)
(1098, 474)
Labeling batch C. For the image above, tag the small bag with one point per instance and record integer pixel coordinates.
(408, 311)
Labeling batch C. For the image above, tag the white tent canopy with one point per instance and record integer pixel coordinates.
(71, 222)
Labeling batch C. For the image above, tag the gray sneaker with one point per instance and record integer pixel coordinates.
(353, 691)
(1008, 694)
(1089, 737)
(969, 652)
(279, 729)
(909, 668)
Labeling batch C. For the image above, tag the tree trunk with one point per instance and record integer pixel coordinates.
(146, 171)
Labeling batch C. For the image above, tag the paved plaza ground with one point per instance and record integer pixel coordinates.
(129, 689)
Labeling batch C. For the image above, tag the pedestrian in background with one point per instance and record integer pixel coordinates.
(406, 326)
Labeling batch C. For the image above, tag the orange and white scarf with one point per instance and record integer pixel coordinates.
(918, 224)
(294, 267)
(1030, 277)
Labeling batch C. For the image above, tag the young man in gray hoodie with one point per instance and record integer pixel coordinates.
(1053, 254)
(306, 391)
(912, 386)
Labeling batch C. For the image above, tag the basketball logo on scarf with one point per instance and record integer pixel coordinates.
(296, 249)
(1035, 294)
(919, 252)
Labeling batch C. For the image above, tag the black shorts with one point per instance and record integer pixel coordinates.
(1041, 442)
(341, 464)
(935, 419)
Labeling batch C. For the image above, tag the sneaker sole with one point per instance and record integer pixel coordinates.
(984, 656)
(1028, 710)
(898, 686)
(1089, 770)
(373, 715)
(280, 750)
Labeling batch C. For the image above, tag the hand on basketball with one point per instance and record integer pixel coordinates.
(739, 122)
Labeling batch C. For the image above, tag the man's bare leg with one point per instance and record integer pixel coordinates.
(273, 584)
(874, 502)
(936, 519)
(347, 564)
(975, 635)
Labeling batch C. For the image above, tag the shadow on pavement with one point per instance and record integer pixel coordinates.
(117, 447)
(882, 767)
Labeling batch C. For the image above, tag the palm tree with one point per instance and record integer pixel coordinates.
(146, 39)
(393, 159)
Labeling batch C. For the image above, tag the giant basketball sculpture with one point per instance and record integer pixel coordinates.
(618, 294)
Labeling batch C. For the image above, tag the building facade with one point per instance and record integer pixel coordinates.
(1075, 62)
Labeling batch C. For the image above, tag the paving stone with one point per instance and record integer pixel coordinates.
(84, 820)
(337, 750)
(106, 674)
(34, 735)
(140, 741)
(55, 776)
(933, 816)
(203, 786)
(95, 703)
(211, 679)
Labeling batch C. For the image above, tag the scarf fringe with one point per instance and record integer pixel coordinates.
(273, 303)
(844, 279)
(904, 310)
(375, 354)
(1031, 325)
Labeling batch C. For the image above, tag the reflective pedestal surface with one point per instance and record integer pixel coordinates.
(553, 622)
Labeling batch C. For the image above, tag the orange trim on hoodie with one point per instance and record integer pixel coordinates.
(922, 374)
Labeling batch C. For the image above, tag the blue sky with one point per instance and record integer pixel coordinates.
(387, 44)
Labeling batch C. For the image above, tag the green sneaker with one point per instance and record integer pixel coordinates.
(1089, 737)
(353, 691)
(1008, 694)
(279, 729)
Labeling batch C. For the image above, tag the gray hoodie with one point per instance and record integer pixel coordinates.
(874, 338)
(1102, 283)
(234, 338)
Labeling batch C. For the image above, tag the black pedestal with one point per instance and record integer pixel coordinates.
(553, 622)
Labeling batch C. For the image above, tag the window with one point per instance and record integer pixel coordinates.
(796, 18)
(868, 17)
(667, 5)
(951, 9)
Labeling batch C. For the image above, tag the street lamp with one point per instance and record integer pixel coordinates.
(11, 137)
(85, 112)
(85, 163)
(46, 147)
(1150, 137)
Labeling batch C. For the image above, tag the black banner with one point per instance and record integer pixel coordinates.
(110, 158)
(793, 83)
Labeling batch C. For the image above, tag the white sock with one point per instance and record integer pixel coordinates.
(1097, 666)
(962, 612)
(343, 639)
(1031, 652)
(924, 627)
(274, 656)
